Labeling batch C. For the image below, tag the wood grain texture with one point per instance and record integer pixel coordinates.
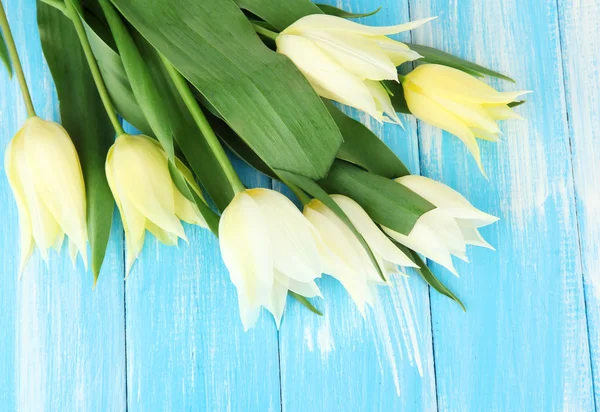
(522, 345)
(580, 43)
(61, 343)
(341, 361)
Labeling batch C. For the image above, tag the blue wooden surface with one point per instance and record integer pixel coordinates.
(169, 338)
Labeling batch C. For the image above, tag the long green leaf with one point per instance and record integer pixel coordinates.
(387, 202)
(260, 94)
(334, 11)
(4, 55)
(186, 133)
(83, 116)
(306, 303)
(279, 13)
(428, 276)
(362, 147)
(317, 192)
(435, 56)
(397, 96)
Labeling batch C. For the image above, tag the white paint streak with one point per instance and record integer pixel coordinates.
(308, 338)
(325, 341)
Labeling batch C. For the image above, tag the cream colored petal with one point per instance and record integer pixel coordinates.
(333, 23)
(328, 78)
(485, 135)
(357, 54)
(248, 313)
(375, 238)
(472, 235)
(163, 236)
(501, 112)
(187, 210)
(457, 85)
(294, 248)
(143, 174)
(11, 157)
(398, 52)
(424, 240)
(306, 289)
(276, 303)
(471, 114)
(247, 249)
(431, 112)
(72, 252)
(56, 174)
(382, 101)
(57, 246)
(446, 198)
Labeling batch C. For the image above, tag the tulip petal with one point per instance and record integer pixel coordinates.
(333, 23)
(472, 235)
(163, 236)
(501, 112)
(457, 85)
(471, 114)
(328, 78)
(247, 250)
(374, 237)
(276, 303)
(248, 313)
(11, 159)
(293, 244)
(382, 101)
(355, 53)
(142, 172)
(187, 211)
(431, 112)
(397, 51)
(55, 172)
(446, 198)
(424, 240)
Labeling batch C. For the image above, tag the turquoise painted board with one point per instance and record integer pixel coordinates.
(580, 45)
(62, 344)
(169, 338)
(522, 345)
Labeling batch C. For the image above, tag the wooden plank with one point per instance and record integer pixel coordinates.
(186, 347)
(341, 361)
(62, 343)
(522, 345)
(581, 58)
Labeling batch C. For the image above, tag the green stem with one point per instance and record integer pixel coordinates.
(14, 56)
(89, 55)
(265, 32)
(205, 128)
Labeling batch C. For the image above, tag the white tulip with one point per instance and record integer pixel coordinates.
(138, 175)
(268, 248)
(45, 176)
(447, 229)
(343, 255)
(345, 61)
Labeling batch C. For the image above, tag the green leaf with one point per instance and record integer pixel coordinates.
(186, 132)
(397, 96)
(334, 11)
(305, 302)
(363, 148)
(317, 192)
(279, 13)
(140, 79)
(84, 117)
(386, 201)
(516, 103)
(435, 56)
(4, 56)
(260, 94)
(428, 275)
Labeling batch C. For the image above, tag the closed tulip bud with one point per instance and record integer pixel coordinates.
(343, 255)
(345, 61)
(447, 229)
(268, 248)
(458, 103)
(46, 179)
(138, 174)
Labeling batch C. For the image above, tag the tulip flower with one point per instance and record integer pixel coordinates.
(345, 61)
(458, 103)
(447, 229)
(45, 177)
(268, 248)
(345, 258)
(138, 175)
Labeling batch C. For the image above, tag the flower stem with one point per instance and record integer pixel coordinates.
(14, 56)
(265, 32)
(204, 126)
(89, 55)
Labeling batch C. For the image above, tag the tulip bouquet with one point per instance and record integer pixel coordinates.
(255, 78)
